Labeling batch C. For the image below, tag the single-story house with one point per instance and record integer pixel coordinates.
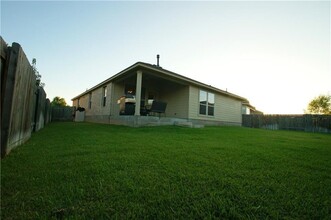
(146, 94)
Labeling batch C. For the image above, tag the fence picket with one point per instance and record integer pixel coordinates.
(307, 122)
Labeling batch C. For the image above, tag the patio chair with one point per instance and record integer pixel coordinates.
(158, 107)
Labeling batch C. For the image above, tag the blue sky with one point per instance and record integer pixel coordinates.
(274, 53)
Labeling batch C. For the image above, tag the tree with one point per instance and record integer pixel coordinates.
(320, 105)
(36, 72)
(57, 101)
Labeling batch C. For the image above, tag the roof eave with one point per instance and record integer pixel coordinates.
(163, 71)
(107, 80)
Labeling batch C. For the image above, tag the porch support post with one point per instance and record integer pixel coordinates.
(138, 92)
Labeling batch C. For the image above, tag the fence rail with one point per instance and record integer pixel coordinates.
(309, 123)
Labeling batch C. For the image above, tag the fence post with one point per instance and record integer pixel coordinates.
(11, 64)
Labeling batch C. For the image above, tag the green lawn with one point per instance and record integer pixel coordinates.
(82, 170)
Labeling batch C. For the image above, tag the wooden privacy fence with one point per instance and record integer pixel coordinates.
(24, 107)
(63, 113)
(310, 123)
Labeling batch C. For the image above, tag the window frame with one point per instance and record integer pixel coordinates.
(90, 100)
(208, 108)
(104, 96)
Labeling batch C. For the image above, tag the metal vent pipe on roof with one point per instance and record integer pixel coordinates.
(158, 58)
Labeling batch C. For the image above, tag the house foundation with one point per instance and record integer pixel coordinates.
(140, 121)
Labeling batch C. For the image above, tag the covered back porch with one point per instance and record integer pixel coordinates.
(144, 92)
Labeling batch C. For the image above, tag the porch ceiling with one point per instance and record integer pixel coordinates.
(149, 77)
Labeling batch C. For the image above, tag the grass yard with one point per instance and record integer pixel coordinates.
(95, 171)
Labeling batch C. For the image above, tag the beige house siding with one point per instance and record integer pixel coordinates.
(97, 107)
(75, 103)
(83, 101)
(118, 91)
(193, 111)
(226, 109)
(176, 97)
(96, 102)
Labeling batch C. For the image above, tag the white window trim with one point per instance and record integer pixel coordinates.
(104, 96)
(206, 115)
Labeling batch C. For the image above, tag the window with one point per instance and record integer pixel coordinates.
(203, 102)
(77, 103)
(90, 100)
(207, 103)
(104, 95)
